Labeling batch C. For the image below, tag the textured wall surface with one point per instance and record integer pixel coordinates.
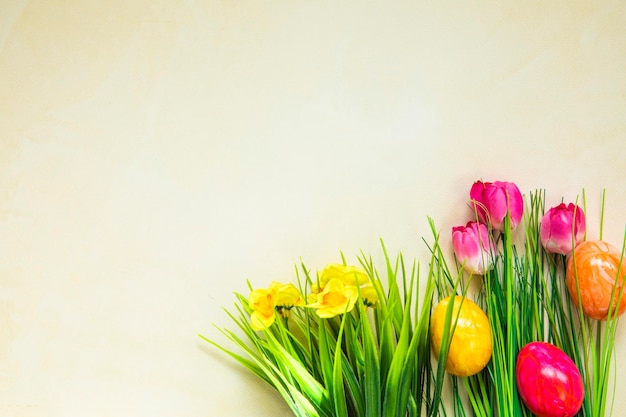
(156, 154)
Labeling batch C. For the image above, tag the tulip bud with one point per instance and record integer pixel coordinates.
(492, 201)
(473, 247)
(558, 225)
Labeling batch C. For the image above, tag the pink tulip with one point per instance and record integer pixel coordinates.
(492, 200)
(473, 247)
(558, 225)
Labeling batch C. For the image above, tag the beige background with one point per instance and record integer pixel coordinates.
(154, 155)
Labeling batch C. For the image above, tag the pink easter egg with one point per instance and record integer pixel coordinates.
(548, 381)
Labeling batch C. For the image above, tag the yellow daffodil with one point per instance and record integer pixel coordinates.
(288, 296)
(349, 275)
(336, 298)
(265, 302)
(369, 294)
(262, 303)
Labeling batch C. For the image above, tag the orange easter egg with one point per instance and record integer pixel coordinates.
(470, 347)
(596, 264)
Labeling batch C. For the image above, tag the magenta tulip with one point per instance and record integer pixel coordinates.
(492, 200)
(473, 247)
(562, 228)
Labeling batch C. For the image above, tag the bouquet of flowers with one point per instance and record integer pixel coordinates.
(523, 325)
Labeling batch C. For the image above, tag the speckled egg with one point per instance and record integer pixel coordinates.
(548, 381)
(470, 348)
(596, 264)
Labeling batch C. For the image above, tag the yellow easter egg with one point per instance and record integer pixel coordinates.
(470, 348)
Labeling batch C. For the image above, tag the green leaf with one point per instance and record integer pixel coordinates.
(372, 384)
(338, 391)
(306, 382)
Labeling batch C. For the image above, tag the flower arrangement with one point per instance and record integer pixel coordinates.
(352, 348)
(516, 329)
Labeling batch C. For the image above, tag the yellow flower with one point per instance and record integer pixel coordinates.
(349, 275)
(265, 302)
(262, 303)
(288, 296)
(336, 298)
(369, 294)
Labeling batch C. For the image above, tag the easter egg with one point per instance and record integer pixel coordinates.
(596, 264)
(470, 347)
(548, 381)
